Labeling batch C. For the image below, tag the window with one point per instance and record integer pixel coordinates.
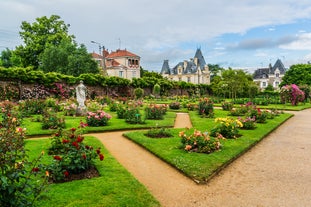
(277, 84)
(188, 79)
(134, 74)
(121, 74)
(277, 75)
(264, 84)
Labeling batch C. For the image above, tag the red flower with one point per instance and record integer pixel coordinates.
(73, 129)
(72, 136)
(101, 157)
(35, 169)
(79, 139)
(65, 141)
(56, 157)
(57, 134)
(87, 147)
(98, 151)
(66, 173)
(84, 156)
(75, 144)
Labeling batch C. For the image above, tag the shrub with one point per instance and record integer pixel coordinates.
(70, 155)
(70, 109)
(139, 93)
(174, 105)
(248, 122)
(133, 116)
(199, 142)
(121, 112)
(94, 106)
(37, 92)
(52, 103)
(227, 106)
(206, 108)
(99, 118)
(159, 133)
(32, 106)
(192, 107)
(226, 127)
(21, 180)
(113, 106)
(292, 93)
(155, 111)
(50, 120)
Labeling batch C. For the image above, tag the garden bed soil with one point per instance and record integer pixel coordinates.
(90, 173)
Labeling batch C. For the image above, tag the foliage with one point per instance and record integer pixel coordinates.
(50, 120)
(32, 106)
(37, 92)
(206, 108)
(70, 154)
(9, 59)
(155, 111)
(9, 92)
(227, 106)
(158, 132)
(21, 180)
(226, 127)
(99, 118)
(133, 116)
(38, 36)
(248, 122)
(139, 93)
(292, 93)
(70, 109)
(156, 89)
(299, 74)
(174, 105)
(199, 142)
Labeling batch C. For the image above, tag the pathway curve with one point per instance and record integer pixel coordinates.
(276, 172)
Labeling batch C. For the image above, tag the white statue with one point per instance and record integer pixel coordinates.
(81, 93)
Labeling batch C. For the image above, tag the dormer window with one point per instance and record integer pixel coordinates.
(277, 75)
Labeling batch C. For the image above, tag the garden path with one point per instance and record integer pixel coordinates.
(276, 172)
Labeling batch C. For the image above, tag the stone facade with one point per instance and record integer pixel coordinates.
(120, 63)
(270, 76)
(194, 71)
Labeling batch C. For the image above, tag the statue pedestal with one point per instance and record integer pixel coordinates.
(81, 111)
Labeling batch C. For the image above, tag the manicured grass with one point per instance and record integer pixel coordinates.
(201, 167)
(114, 187)
(285, 107)
(34, 128)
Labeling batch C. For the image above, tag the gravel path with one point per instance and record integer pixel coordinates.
(276, 172)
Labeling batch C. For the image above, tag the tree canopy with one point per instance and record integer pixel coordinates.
(299, 74)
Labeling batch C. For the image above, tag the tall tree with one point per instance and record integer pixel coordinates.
(299, 74)
(8, 58)
(39, 35)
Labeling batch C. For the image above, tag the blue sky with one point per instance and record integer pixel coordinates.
(245, 34)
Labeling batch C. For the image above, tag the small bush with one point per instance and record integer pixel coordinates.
(174, 105)
(133, 116)
(155, 111)
(158, 133)
(50, 120)
(226, 127)
(99, 118)
(248, 122)
(206, 108)
(199, 142)
(227, 106)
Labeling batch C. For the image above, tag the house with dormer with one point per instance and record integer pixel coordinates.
(120, 63)
(270, 76)
(194, 71)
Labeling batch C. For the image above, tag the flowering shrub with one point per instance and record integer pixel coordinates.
(192, 107)
(32, 106)
(248, 122)
(174, 105)
(70, 109)
(50, 120)
(52, 103)
(37, 92)
(99, 118)
(227, 127)
(261, 116)
(155, 111)
(60, 90)
(70, 154)
(242, 110)
(292, 93)
(121, 112)
(158, 132)
(199, 142)
(94, 106)
(227, 106)
(21, 180)
(206, 108)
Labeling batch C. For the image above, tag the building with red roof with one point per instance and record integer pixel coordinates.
(120, 63)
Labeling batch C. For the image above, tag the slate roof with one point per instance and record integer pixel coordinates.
(121, 53)
(265, 72)
(190, 68)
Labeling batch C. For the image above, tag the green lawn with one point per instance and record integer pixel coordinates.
(115, 186)
(34, 128)
(201, 167)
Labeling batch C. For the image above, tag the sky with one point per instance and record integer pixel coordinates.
(241, 34)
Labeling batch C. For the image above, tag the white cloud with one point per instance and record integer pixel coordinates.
(303, 42)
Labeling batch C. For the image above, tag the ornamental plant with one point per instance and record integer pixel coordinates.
(199, 142)
(174, 105)
(21, 179)
(99, 118)
(70, 155)
(206, 108)
(133, 116)
(226, 127)
(70, 109)
(227, 106)
(155, 111)
(248, 122)
(292, 93)
(50, 120)
(159, 132)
